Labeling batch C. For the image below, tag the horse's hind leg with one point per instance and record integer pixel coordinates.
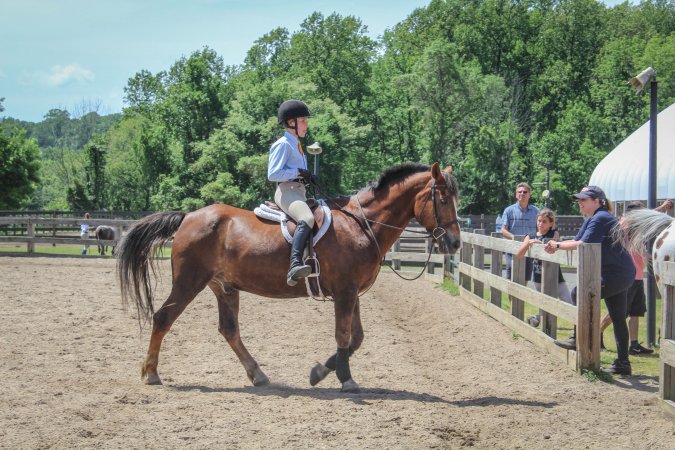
(320, 371)
(162, 321)
(228, 326)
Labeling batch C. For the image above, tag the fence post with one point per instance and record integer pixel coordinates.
(667, 371)
(479, 263)
(465, 257)
(549, 286)
(30, 232)
(588, 307)
(396, 262)
(496, 269)
(518, 266)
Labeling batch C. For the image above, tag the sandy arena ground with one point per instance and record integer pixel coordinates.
(435, 373)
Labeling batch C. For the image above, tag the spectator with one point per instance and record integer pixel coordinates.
(617, 271)
(84, 233)
(545, 232)
(636, 305)
(520, 219)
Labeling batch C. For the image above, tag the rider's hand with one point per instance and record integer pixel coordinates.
(305, 175)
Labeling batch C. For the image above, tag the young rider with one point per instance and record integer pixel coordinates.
(288, 168)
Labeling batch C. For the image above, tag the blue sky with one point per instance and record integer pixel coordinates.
(71, 54)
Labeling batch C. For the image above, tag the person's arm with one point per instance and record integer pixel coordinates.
(556, 236)
(523, 248)
(665, 206)
(552, 246)
(506, 233)
(505, 225)
(276, 170)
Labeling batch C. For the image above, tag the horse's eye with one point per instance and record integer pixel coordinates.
(444, 201)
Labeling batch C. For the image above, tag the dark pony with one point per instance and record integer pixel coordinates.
(105, 233)
(232, 250)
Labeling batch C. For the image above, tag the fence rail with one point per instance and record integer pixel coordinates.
(483, 287)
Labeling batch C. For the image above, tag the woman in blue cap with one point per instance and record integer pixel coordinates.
(616, 272)
(288, 168)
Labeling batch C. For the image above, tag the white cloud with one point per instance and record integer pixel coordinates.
(60, 75)
(56, 76)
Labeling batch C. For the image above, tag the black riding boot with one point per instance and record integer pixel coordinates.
(298, 269)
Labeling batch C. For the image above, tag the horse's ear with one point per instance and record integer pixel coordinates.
(448, 169)
(435, 170)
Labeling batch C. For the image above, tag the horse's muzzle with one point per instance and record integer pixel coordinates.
(448, 244)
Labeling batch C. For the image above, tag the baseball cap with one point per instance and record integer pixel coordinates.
(591, 192)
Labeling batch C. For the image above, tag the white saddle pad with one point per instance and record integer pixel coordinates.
(265, 212)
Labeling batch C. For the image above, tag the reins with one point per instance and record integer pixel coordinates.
(435, 234)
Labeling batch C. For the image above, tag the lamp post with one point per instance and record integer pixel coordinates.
(639, 82)
(315, 149)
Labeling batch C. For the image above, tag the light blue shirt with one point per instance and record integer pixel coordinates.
(520, 221)
(285, 159)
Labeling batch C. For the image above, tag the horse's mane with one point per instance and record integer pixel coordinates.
(399, 173)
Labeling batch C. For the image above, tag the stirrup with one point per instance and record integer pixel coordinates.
(296, 273)
(315, 260)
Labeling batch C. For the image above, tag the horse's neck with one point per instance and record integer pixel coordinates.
(394, 210)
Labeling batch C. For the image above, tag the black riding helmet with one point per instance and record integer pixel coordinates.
(292, 109)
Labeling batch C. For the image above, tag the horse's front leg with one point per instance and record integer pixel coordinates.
(347, 317)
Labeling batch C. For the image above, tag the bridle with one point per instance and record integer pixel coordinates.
(436, 234)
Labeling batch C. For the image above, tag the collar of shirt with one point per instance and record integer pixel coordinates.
(292, 138)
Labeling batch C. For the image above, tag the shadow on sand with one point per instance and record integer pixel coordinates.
(285, 391)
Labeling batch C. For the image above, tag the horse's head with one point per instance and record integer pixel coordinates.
(436, 209)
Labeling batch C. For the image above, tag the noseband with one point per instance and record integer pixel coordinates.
(440, 230)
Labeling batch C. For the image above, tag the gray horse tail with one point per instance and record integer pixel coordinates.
(639, 227)
(135, 258)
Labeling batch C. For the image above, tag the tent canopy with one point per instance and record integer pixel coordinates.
(624, 173)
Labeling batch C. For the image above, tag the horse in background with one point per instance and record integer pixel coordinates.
(105, 233)
(231, 250)
(642, 225)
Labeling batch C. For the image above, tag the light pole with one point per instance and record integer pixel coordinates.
(639, 82)
(315, 149)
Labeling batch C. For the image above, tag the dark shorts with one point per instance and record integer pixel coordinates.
(637, 305)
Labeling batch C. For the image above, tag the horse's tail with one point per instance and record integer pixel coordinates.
(640, 226)
(135, 253)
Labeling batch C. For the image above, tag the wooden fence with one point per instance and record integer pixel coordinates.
(482, 285)
(667, 343)
(56, 231)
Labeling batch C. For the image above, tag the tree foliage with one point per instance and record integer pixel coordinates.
(496, 88)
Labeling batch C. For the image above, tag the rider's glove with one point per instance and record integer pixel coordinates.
(305, 175)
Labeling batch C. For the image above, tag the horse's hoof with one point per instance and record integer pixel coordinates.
(351, 387)
(153, 380)
(318, 373)
(260, 380)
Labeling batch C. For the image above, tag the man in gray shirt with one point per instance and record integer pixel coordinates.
(520, 219)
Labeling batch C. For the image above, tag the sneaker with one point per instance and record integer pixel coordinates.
(569, 344)
(618, 368)
(533, 321)
(638, 350)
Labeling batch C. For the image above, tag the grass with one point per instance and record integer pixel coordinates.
(641, 365)
(60, 249)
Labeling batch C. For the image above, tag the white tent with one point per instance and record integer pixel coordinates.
(624, 173)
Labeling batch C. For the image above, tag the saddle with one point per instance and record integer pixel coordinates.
(322, 218)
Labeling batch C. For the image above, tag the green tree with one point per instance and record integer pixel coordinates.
(19, 168)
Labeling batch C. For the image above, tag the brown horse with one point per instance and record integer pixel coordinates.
(231, 250)
(104, 233)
